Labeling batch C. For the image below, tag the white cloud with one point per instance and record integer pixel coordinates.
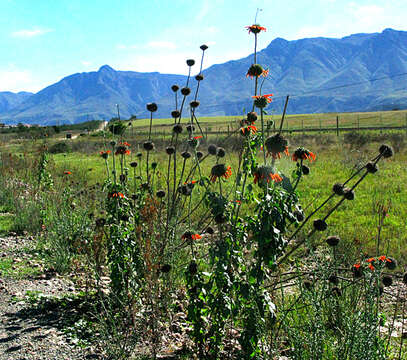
(26, 34)
(86, 63)
(161, 45)
(15, 80)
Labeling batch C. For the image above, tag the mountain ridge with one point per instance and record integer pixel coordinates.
(303, 68)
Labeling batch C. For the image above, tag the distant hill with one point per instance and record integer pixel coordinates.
(9, 100)
(316, 72)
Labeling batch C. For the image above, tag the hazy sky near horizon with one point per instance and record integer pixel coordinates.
(43, 41)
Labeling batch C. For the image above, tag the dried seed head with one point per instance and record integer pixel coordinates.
(185, 190)
(134, 196)
(307, 284)
(332, 240)
(299, 215)
(333, 279)
(177, 128)
(386, 151)
(139, 155)
(175, 114)
(357, 271)
(154, 165)
(190, 62)
(391, 264)
(387, 280)
(255, 70)
(186, 155)
(190, 128)
(220, 218)
(193, 143)
(113, 143)
(219, 170)
(348, 194)
(276, 144)
(203, 47)
(185, 91)
(212, 149)
(170, 150)
(193, 267)
(194, 104)
(371, 167)
(199, 155)
(160, 194)
(251, 117)
(336, 291)
(133, 164)
(175, 88)
(122, 178)
(220, 152)
(338, 189)
(199, 77)
(166, 268)
(305, 169)
(209, 230)
(152, 107)
(320, 225)
(148, 145)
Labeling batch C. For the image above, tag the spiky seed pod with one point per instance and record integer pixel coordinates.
(194, 104)
(191, 185)
(154, 165)
(145, 186)
(371, 167)
(209, 230)
(193, 143)
(148, 145)
(387, 280)
(193, 267)
(166, 268)
(160, 194)
(348, 194)
(175, 114)
(391, 264)
(307, 284)
(255, 70)
(305, 169)
(203, 47)
(170, 150)
(139, 155)
(212, 149)
(405, 278)
(175, 88)
(276, 144)
(386, 151)
(219, 170)
(133, 164)
(357, 271)
(122, 178)
(299, 215)
(199, 77)
(220, 219)
(185, 91)
(177, 128)
(190, 128)
(190, 62)
(261, 102)
(220, 152)
(332, 240)
(333, 279)
(152, 107)
(320, 225)
(251, 117)
(338, 189)
(186, 155)
(336, 291)
(185, 190)
(100, 222)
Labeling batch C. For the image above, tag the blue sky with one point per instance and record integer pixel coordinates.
(42, 41)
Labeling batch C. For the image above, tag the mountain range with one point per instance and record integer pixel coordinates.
(360, 72)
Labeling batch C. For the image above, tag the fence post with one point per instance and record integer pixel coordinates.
(337, 125)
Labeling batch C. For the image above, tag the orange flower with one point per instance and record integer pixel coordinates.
(383, 258)
(66, 172)
(264, 73)
(255, 29)
(198, 137)
(264, 174)
(250, 129)
(105, 154)
(304, 154)
(122, 150)
(116, 195)
(196, 236)
(125, 143)
(220, 170)
(371, 267)
(370, 260)
(188, 235)
(266, 96)
(356, 266)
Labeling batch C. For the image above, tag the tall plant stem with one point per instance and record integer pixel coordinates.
(284, 111)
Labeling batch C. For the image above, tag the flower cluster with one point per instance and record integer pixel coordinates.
(220, 170)
(255, 28)
(264, 174)
(303, 154)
